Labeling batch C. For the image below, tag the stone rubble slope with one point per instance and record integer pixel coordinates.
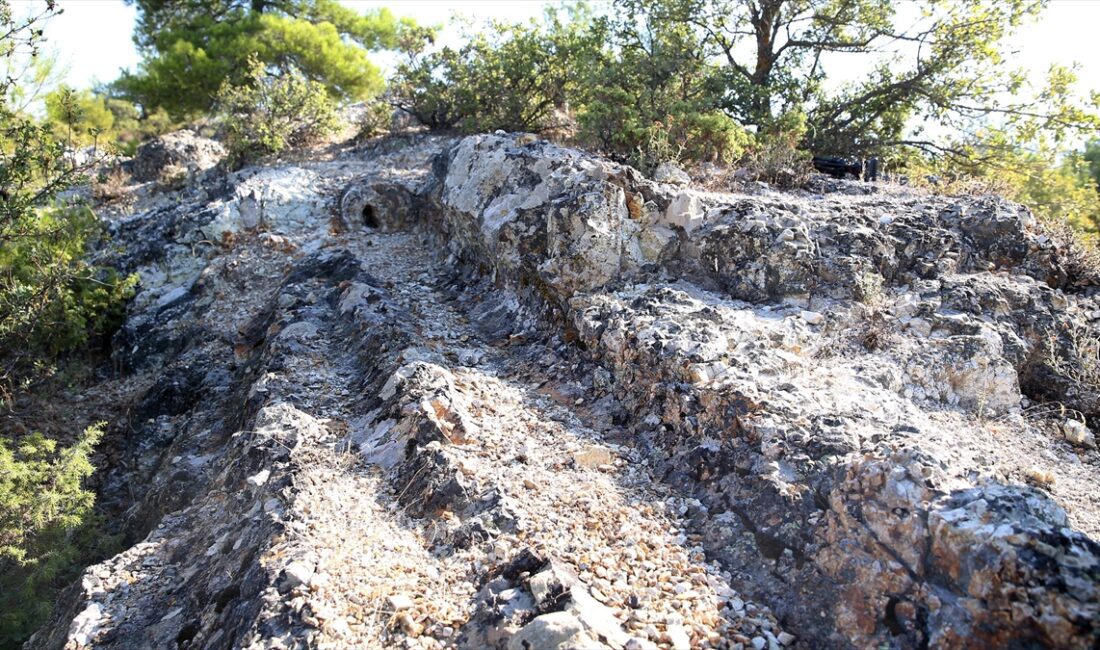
(491, 392)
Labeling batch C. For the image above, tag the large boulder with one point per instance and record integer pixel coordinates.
(183, 149)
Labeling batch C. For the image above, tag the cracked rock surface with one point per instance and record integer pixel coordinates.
(493, 393)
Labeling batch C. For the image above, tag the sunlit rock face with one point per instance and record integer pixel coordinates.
(493, 392)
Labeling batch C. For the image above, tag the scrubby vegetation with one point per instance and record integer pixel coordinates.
(194, 47)
(268, 113)
(52, 302)
(749, 83)
(45, 530)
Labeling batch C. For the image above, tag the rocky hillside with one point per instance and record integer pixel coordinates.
(494, 393)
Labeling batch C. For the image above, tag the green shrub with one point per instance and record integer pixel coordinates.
(79, 117)
(515, 77)
(710, 136)
(44, 509)
(52, 301)
(375, 120)
(271, 113)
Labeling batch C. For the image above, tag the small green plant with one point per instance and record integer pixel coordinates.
(271, 113)
(44, 508)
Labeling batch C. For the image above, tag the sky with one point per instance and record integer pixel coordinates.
(93, 37)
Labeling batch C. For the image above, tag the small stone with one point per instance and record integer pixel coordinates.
(812, 317)
(678, 637)
(399, 602)
(785, 638)
(297, 573)
(759, 642)
(592, 456)
(411, 627)
(1077, 433)
(670, 172)
(553, 631)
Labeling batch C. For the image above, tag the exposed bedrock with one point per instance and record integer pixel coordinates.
(491, 392)
(785, 358)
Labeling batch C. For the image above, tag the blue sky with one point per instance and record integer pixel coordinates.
(93, 36)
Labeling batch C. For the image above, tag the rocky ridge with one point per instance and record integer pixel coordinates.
(491, 392)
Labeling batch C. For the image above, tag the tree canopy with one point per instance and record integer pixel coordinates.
(192, 47)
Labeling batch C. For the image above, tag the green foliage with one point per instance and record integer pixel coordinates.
(513, 77)
(131, 128)
(645, 102)
(44, 508)
(51, 302)
(192, 48)
(376, 119)
(82, 118)
(777, 157)
(51, 299)
(37, 76)
(269, 113)
(1091, 157)
(78, 117)
(319, 53)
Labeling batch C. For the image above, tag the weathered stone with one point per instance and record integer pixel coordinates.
(553, 631)
(592, 456)
(670, 172)
(1078, 434)
(184, 149)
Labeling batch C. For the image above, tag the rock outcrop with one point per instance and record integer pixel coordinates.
(180, 153)
(491, 392)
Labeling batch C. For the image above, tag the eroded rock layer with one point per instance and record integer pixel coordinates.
(491, 392)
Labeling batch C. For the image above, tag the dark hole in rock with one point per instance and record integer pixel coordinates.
(227, 595)
(369, 220)
(891, 618)
(183, 639)
(770, 546)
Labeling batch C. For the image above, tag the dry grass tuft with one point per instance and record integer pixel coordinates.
(112, 186)
(1080, 253)
(780, 162)
(1079, 360)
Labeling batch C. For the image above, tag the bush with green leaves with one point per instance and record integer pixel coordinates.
(272, 112)
(514, 77)
(640, 102)
(52, 300)
(44, 512)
